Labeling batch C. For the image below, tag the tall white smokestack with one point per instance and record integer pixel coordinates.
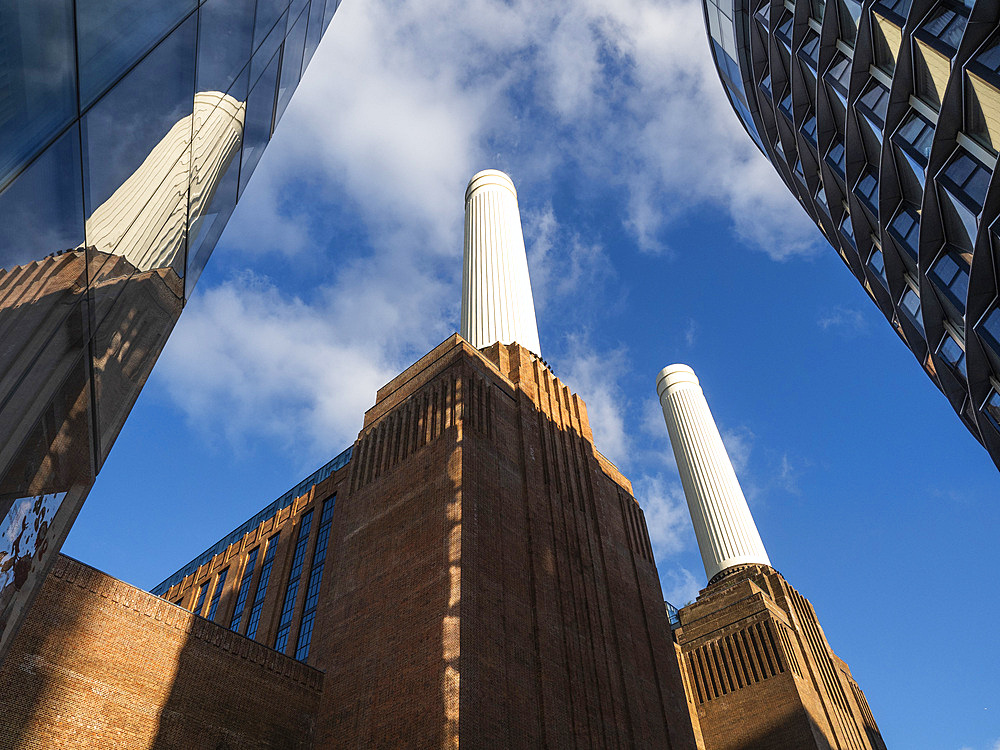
(496, 292)
(727, 535)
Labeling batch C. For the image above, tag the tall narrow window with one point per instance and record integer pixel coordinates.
(315, 578)
(265, 574)
(220, 583)
(241, 597)
(285, 623)
(201, 598)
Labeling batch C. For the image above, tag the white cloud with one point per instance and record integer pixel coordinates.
(667, 517)
(680, 586)
(844, 319)
(739, 443)
(593, 375)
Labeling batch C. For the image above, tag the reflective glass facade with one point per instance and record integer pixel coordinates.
(883, 120)
(128, 131)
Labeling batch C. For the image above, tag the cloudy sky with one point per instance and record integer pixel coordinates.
(656, 233)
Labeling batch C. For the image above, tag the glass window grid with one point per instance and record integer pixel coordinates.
(915, 136)
(838, 75)
(909, 303)
(202, 592)
(809, 51)
(836, 156)
(315, 579)
(337, 462)
(292, 589)
(783, 33)
(950, 274)
(244, 592)
(986, 62)
(265, 575)
(898, 8)
(762, 17)
(991, 408)
(220, 583)
(966, 178)
(953, 354)
(809, 128)
(785, 106)
(874, 101)
(988, 328)
(876, 262)
(847, 229)
(945, 25)
(905, 228)
(765, 85)
(848, 15)
(867, 189)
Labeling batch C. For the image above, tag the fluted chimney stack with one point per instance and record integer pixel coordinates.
(496, 292)
(727, 535)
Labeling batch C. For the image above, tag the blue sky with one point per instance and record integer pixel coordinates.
(656, 233)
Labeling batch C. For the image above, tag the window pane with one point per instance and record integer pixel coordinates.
(224, 40)
(291, 65)
(315, 29)
(105, 52)
(37, 78)
(31, 228)
(259, 117)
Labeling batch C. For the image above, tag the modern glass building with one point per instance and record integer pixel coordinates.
(883, 119)
(128, 131)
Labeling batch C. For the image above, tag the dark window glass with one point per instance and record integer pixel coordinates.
(268, 13)
(809, 51)
(786, 106)
(991, 408)
(224, 37)
(847, 229)
(259, 121)
(106, 52)
(124, 127)
(265, 575)
(899, 7)
(910, 304)
(839, 74)
(967, 177)
(37, 78)
(292, 590)
(797, 168)
(952, 352)
(765, 84)
(220, 583)
(291, 65)
(315, 579)
(244, 592)
(809, 129)
(875, 99)
(331, 8)
(762, 16)
(816, 8)
(31, 228)
(784, 30)
(951, 275)
(876, 262)
(848, 12)
(989, 55)
(265, 53)
(202, 591)
(915, 135)
(315, 29)
(989, 329)
(905, 227)
(835, 156)
(867, 189)
(946, 23)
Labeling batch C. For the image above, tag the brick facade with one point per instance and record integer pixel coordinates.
(762, 672)
(101, 664)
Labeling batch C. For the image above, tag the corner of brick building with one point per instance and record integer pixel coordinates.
(493, 579)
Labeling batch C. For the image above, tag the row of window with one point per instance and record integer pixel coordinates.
(256, 600)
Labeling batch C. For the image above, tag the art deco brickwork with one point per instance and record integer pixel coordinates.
(883, 120)
(762, 672)
(101, 664)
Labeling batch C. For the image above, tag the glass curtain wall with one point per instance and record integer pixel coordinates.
(128, 131)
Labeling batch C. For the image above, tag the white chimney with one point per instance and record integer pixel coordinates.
(727, 535)
(496, 292)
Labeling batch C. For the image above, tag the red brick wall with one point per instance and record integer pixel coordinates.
(101, 664)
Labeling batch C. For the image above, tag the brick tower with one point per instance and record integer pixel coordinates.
(761, 671)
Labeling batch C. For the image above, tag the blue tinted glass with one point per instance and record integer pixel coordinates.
(224, 44)
(214, 180)
(331, 8)
(106, 51)
(268, 12)
(315, 27)
(265, 52)
(37, 78)
(260, 110)
(125, 126)
(295, 10)
(31, 228)
(291, 65)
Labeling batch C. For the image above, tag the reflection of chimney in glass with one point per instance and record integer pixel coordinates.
(145, 219)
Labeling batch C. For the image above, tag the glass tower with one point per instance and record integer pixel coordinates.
(128, 131)
(883, 119)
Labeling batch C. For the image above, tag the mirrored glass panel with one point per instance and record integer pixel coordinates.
(37, 78)
(291, 65)
(105, 52)
(224, 36)
(41, 212)
(315, 29)
(259, 119)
